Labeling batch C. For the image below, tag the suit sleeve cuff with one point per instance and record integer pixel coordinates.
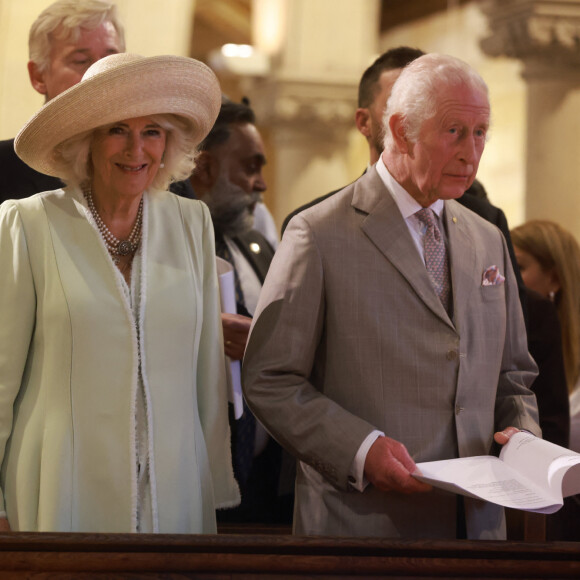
(356, 477)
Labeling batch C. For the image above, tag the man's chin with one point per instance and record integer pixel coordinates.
(453, 193)
(252, 206)
(236, 227)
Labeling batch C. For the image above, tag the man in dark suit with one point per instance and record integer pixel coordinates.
(18, 179)
(64, 41)
(228, 177)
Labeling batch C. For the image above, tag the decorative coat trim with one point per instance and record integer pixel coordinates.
(138, 352)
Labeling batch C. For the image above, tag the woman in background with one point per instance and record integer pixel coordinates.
(113, 405)
(549, 261)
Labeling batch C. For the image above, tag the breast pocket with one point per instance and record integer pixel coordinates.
(492, 293)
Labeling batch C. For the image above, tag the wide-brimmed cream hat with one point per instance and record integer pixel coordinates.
(117, 87)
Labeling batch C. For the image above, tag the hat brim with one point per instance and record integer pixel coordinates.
(122, 86)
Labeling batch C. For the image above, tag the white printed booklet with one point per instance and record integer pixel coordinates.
(530, 474)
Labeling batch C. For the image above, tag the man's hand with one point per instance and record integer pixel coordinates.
(4, 525)
(502, 437)
(388, 466)
(236, 329)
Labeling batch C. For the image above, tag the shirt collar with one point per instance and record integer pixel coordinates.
(406, 203)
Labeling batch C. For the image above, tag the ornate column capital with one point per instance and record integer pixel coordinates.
(315, 108)
(544, 34)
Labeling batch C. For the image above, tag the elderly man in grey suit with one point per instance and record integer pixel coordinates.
(389, 329)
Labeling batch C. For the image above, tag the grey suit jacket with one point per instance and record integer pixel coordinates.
(349, 336)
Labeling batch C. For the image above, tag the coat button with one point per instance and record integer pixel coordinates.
(451, 355)
(458, 409)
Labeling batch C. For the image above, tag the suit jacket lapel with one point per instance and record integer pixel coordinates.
(385, 227)
(462, 263)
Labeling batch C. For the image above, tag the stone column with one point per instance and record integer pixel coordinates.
(545, 36)
(305, 107)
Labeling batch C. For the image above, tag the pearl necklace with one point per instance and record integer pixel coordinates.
(115, 246)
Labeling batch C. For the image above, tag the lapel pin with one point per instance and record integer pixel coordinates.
(454, 219)
(255, 248)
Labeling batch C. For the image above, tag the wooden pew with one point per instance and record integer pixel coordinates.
(268, 557)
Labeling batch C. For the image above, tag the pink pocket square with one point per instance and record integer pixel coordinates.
(492, 277)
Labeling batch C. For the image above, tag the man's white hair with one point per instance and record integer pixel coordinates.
(64, 20)
(415, 93)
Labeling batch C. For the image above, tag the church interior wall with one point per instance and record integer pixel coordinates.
(457, 31)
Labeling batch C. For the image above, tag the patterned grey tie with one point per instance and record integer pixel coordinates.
(436, 257)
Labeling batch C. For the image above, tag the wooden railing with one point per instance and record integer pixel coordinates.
(237, 556)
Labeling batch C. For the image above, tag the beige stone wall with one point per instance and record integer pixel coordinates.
(458, 32)
(311, 51)
(308, 169)
(308, 102)
(18, 100)
(152, 27)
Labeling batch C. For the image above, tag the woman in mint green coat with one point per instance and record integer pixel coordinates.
(113, 403)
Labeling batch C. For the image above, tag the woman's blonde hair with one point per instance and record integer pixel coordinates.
(557, 250)
(73, 155)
